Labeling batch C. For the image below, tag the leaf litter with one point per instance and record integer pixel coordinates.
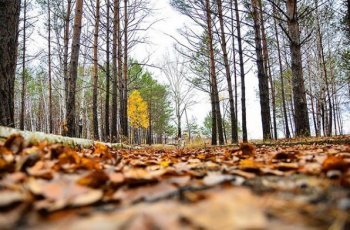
(52, 186)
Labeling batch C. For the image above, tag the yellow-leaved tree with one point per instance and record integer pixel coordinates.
(137, 110)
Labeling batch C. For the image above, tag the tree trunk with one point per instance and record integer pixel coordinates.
(108, 73)
(9, 18)
(281, 76)
(73, 70)
(23, 93)
(262, 76)
(324, 69)
(241, 64)
(213, 73)
(302, 126)
(235, 126)
(95, 79)
(266, 58)
(228, 72)
(66, 48)
(124, 111)
(50, 67)
(115, 46)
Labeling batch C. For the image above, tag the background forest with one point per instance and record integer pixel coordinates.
(87, 81)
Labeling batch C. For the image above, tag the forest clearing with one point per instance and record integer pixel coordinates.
(175, 114)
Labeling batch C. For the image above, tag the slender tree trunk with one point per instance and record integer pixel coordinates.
(262, 76)
(228, 72)
(214, 133)
(23, 93)
(266, 58)
(235, 126)
(120, 63)
(302, 126)
(241, 64)
(281, 76)
(50, 67)
(108, 73)
(213, 73)
(95, 78)
(73, 70)
(124, 123)
(114, 132)
(324, 69)
(66, 48)
(9, 18)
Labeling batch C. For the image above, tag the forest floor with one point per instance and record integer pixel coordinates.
(300, 184)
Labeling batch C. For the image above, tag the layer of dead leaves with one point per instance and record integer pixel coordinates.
(58, 187)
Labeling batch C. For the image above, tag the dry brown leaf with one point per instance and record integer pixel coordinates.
(95, 179)
(15, 143)
(335, 163)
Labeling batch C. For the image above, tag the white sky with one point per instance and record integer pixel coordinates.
(161, 42)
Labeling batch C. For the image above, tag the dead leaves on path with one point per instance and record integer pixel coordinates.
(50, 179)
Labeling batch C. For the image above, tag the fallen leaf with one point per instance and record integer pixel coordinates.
(335, 163)
(95, 179)
(216, 178)
(247, 149)
(8, 198)
(15, 143)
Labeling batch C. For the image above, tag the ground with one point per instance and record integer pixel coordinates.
(300, 184)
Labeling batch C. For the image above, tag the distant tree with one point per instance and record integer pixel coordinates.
(137, 111)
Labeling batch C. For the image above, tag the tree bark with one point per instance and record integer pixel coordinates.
(281, 75)
(23, 93)
(262, 76)
(213, 73)
(115, 46)
(235, 126)
(124, 96)
(241, 64)
(49, 66)
(108, 73)
(9, 18)
(73, 70)
(95, 78)
(234, 137)
(66, 48)
(302, 126)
